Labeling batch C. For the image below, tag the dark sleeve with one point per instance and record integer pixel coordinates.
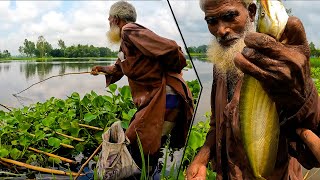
(306, 117)
(114, 73)
(211, 135)
(150, 44)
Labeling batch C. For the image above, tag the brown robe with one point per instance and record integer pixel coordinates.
(224, 138)
(151, 62)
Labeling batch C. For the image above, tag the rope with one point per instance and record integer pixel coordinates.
(53, 77)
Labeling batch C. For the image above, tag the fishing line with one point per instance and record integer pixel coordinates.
(5, 107)
(15, 95)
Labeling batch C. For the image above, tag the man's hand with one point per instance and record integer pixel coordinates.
(282, 69)
(311, 140)
(196, 171)
(96, 69)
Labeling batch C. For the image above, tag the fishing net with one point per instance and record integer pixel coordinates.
(115, 161)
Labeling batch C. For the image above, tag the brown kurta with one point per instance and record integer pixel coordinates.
(151, 62)
(224, 138)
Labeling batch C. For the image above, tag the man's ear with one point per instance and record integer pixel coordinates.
(117, 21)
(252, 9)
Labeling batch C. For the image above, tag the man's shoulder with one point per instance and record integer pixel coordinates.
(132, 26)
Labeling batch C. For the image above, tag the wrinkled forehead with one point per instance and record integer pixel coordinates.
(205, 4)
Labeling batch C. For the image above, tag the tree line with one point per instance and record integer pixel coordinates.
(42, 48)
(314, 52)
(5, 54)
(200, 49)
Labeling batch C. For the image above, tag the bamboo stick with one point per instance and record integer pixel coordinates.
(37, 168)
(52, 155)
(306, 175)
(91, 127)
(92, 155)
(70, 137)
(11, 174)
(313, 173)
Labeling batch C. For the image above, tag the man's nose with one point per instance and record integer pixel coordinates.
(222, 30)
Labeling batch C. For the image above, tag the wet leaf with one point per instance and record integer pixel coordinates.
(125, 92)
(15, 153)
(48, 121)
(54, 160)
(79, 147)
(195, 140)
(4, 152)
(113, 87)
(88, 117)
(55, 142)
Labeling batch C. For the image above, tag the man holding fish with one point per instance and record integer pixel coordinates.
(280, 63)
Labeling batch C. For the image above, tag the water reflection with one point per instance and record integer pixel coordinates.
(42, 69)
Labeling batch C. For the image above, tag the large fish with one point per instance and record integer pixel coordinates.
(259, 122)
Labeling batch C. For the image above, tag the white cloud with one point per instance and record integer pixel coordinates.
(82, 22)
(308, 12)
(85, 22)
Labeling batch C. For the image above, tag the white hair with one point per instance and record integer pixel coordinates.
(123, 10)
(246, 3)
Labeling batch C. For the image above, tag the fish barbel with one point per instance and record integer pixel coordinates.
(259, 122)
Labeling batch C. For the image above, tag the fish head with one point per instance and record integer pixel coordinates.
(272, 18)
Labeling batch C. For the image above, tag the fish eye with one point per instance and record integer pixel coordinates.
(262, 14)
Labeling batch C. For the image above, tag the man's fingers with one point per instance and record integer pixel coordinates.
(260, 41)
(294, 32)
(94, 73)
(311, 140)
(192, 172)
(250, 68)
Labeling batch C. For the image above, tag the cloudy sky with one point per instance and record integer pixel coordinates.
(85, 22)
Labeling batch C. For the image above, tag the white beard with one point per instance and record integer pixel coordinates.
(222, 57)
(113, 34)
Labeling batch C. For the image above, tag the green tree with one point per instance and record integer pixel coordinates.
(43, 47)
(202, 49)
(62, 46)
(28, 48)
(6, 54)
(313, 50)
(21, 50)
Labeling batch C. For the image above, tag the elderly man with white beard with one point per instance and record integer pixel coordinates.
(153, 65)
(283, 71)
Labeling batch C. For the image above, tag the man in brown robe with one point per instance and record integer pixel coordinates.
(284, 72)
(153, 65)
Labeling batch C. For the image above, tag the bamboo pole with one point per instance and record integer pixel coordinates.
(90, 127)
(53, 155)
(92, 155)
(37, 168)
(70, 137)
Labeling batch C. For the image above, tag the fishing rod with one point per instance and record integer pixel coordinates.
(87, 72)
